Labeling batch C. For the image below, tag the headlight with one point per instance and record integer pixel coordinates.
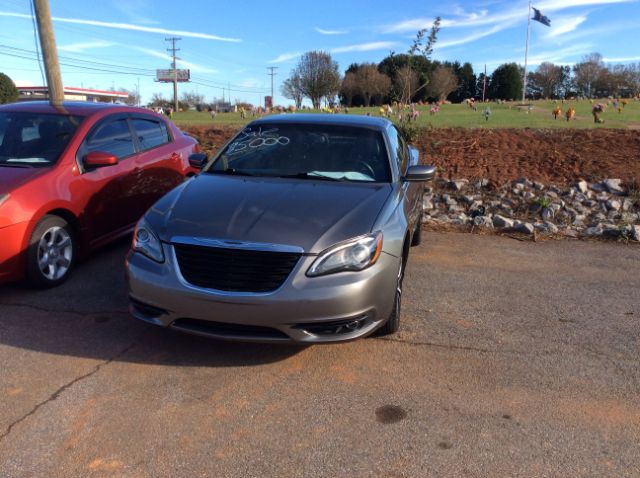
(355, 255)
(3, 198)
(146, 242)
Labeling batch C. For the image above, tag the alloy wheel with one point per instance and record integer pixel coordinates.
(55, 253)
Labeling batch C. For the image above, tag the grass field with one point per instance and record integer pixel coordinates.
(506, 115)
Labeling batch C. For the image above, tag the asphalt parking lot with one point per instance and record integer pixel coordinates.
(514, 359)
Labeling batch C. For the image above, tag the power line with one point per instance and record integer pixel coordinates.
(201, 83)
(111, 68)
(35, 37)
(120, 72)
(99, 66)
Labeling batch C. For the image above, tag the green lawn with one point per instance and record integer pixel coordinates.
(460, 115)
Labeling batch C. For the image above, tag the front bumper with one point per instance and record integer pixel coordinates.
(12, 240)
(333, 308)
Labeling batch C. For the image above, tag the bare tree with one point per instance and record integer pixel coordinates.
(158, 100)
(442, 83)
(371, 82)
(133, 98)
(587, 73)
(548, 78)
(349, 88)
(319, 76)
(192, 99)
(406, 80)
(292, 89)
(633, 77)
(423, 48)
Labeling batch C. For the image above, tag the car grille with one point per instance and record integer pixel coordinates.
(234, 270)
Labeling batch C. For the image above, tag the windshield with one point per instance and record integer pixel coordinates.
(304, 151)
(34, 140)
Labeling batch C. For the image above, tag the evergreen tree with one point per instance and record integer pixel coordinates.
(506, 82)
(8, 90)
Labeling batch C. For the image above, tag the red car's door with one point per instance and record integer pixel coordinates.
(114, 196)
(160, 162)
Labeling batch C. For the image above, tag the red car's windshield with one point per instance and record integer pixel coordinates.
(34, 139)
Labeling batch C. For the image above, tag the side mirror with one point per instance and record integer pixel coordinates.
(98, 159)
(198, 160)
(420, 173)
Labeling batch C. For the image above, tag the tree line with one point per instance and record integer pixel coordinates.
(415, 77)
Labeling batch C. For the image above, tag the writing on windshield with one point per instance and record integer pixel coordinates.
(307, 151)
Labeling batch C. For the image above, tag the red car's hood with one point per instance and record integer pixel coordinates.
(11, 178)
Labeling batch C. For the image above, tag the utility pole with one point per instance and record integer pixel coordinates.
(138, 92)
(173, 51)
(484, 82)
(272, 74)
(526, 55)
(49, 52)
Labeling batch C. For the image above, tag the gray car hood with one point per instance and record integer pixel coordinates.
(306, 213)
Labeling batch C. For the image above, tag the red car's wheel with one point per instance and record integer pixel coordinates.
(51, 253)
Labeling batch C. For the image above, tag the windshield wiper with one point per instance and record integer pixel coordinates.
(304, 175)
(231, 172)
(17, 165)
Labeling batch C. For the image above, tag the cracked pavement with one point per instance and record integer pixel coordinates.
(514, 359)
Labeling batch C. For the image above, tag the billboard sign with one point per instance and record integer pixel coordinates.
(167, 75)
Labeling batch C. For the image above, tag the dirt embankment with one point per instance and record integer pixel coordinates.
(502, 155)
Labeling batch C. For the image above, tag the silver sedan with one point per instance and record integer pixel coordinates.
(297, 230)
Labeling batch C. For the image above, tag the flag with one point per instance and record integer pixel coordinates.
(539, 17)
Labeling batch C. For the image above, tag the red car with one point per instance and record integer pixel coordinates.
(75, 177)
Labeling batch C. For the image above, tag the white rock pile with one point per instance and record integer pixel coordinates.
(601, 209)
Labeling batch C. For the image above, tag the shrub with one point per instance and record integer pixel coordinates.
(8, 90)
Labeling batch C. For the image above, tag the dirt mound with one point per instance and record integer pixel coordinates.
(210, 137)
(548, 156)
(502, 155)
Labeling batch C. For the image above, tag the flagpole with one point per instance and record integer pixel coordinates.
(526, 55)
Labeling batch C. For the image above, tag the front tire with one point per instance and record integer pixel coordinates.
(392, 325)
(416, 239)
(51, 253)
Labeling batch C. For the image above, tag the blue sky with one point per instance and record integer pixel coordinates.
(231, 44)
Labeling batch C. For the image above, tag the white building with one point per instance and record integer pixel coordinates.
(30, 93)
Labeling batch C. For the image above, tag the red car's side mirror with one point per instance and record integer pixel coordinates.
(97, 159)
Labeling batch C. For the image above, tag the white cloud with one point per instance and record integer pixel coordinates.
(621, 60)
(136, 11)
(331, 32)
(564, 25)
(78, 47)
(469, 38)
(378, 45)
(128, 26)
(553, 5)
(286, 57)
(183, 63)
(251, 83)
(504, 19)
(553, 56)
